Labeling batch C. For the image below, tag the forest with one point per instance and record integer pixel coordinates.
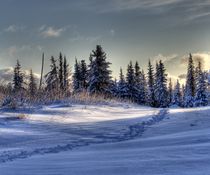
(94, 80)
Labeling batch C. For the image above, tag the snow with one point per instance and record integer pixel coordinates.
(115, 139)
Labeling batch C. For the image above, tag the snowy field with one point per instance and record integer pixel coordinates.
(118, 139)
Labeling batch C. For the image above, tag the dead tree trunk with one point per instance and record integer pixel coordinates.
(40, 84)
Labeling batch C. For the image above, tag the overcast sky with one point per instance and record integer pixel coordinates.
(126, 29)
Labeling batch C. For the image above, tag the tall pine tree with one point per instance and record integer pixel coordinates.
(99, 74)
(83, 75)
(32, 86)
(18, 78)
(65, 75)
(52, 79)
(161, 93)
(151, 93)
(170, 92)
(177, 95)
(60, 72)
(77, 77)
(201, 87)
(131, 83)
(121, 86)
(189, 93)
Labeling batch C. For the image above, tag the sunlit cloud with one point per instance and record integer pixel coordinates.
(203, 57)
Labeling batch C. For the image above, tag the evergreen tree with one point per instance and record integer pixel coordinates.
(131, 83)
(121, 86)
(177, 97)
(18, 78)
(83, 75)
(32, 86)
(143, 89)
(161, 93)
(170, 92)
(138, 82)
(113, 91)
(51, 77)
(99, 74)
(201, 88)
(151, 93)
(77, 77)
(60, 72)
(65, 74)
(189, 93)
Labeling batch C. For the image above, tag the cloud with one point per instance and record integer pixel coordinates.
(50, 32)
(13, 51)
(79, 37)
(14, 28)
(203, 57)
(112, 32)
(165, 59)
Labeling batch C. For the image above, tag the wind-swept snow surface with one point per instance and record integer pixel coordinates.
(105, 140)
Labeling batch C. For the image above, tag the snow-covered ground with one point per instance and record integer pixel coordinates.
(78, 139)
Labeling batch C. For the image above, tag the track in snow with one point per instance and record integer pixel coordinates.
(131, 132)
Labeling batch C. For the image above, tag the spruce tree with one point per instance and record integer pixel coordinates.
(18, 78)
(52, 79)
(99, 80)
(113, 90)
(137, 82)
(65, 74)
(201, 87)
(142, 88)
(60, 72)
(121, 86)
(131, 83)
(32, 86)
(161, 93)
(177, 96)
(83, 75)
(151, 93)
(77, 77)
(189, 93)
(170, 92)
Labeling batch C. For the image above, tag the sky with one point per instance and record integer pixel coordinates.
(127, 30)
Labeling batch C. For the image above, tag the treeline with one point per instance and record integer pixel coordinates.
(153, 88)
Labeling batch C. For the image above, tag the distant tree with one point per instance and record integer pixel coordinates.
(83, 75)
(151, 93)
(121, 86)
(77, 77)
(17, 78)
(52, 79)
(66, 73)
(201, 87)
(170, 92)
(99, 73)
(189, 93)
(32, 86)
(60, 72)
(177, 97)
